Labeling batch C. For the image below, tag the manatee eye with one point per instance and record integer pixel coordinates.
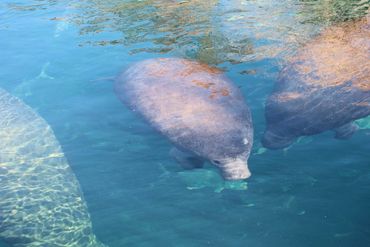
(216, 162)
(245, 141)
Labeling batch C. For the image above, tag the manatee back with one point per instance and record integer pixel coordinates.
(41, 201)
(192, 104)
(326, 84)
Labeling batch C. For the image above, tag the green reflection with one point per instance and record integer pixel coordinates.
(214, 32)
(333, 11)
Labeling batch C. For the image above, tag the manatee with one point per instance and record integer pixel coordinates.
(325, 86)
(41, 203)
(196, 107)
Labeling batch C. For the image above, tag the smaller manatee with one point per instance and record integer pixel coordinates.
(196, 107)
(325, 86)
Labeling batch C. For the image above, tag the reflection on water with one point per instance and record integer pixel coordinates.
(213, 32)
(335, 11)
(210, 31)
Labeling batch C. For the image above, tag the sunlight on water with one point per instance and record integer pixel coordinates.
(302, 66)
(210, 31)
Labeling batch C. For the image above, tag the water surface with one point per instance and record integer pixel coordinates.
(58, 56)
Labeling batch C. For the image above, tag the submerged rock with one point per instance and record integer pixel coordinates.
(202, 178)
(41, 203)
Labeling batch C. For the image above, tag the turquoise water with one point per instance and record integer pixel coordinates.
(59, 56)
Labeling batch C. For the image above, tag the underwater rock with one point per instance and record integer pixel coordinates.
(201, 112)
(325, 86)
(41, 203)
(201, 178)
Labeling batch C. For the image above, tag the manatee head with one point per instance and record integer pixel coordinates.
(230, 154)
(228, 149)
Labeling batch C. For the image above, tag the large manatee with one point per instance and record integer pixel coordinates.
(325, 86)
(201, 112)
(41, 203)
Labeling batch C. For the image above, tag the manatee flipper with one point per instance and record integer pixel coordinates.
(41, 203)
(186, 159)
(345, 131)
(272, 140)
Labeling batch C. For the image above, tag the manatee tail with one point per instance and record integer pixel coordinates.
(43, 73)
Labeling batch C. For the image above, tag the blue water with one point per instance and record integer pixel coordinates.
(316, 193)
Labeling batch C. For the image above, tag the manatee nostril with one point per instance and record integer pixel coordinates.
(216, 162)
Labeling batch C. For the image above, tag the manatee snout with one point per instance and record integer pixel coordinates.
(233, 169)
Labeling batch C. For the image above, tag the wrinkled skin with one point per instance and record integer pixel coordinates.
(325, 86)
(196, 107)
(41, 203)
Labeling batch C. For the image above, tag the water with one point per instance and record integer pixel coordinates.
(58, 56)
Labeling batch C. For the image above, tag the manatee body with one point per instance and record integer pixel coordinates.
(325, 86)
(41, 203)
(196, 107)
